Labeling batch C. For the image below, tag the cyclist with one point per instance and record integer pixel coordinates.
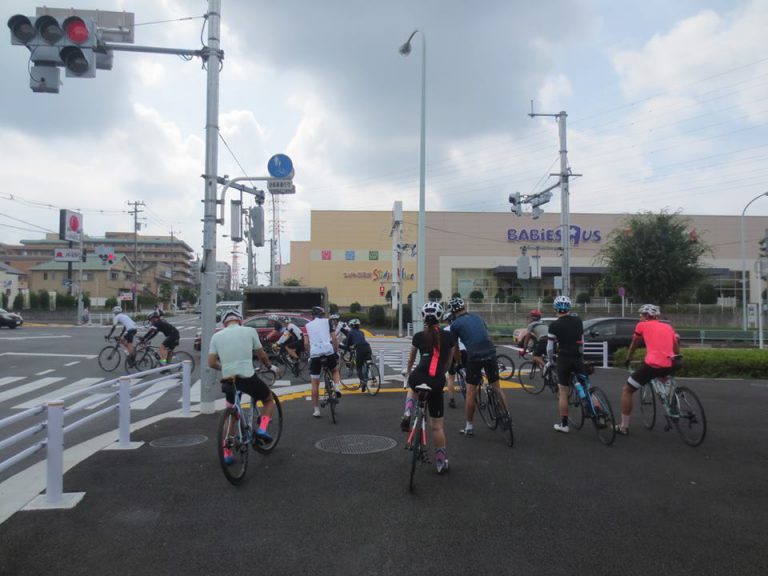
(567, 332)
(128, 332)
(661, 343)
(452, 368)
(277, 329)
(232, 351)
(536, 336)
(435, 348)
(321, 342)
(481, 357)
(340, 328)
(169, 331)
(357, 343)
(293, 341)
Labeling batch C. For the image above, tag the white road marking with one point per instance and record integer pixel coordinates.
(10, 379)
(72, 363)
(88, 356)
(44, 372)
(26, 388)
(59, 393)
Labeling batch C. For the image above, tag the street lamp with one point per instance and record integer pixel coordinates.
(744, 266)
(417, 302)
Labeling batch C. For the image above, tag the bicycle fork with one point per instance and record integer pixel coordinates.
(411, 445)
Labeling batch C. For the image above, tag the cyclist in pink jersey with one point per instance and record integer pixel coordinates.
(661, 343)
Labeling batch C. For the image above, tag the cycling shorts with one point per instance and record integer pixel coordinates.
(435, 399)
(296, 344)
(253, 386)
(645, 374)
(316, 364)
(452, 367)
(489, 365)
(540, 348)
(129, 335)
(567, 365)
(171, 342)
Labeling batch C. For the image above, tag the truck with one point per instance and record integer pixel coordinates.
(260, 299)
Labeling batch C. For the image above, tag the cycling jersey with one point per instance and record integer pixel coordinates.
(659, 340)
(471, 329)
(125, 320)
(319, 334)
(168, 330)
(568, 333)
(291, 332)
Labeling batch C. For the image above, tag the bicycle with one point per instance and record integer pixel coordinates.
(491, 408)
(371, 379)
(236, 432)
(587, 401)
(111, 355)
(682, 408)
(506, 367)
(534, 380)
(279, 356)
(417, 439)
(147, 357)
(331, 398)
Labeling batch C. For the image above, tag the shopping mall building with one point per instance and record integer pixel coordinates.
(351, 253)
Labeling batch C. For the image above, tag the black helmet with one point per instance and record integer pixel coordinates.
(153, 316)
(318, 311)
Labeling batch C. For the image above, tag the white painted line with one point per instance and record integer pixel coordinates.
(44, 372)
(89, 356)
(32, 338)
(10, 379)
(145, 403)
(72, 363)
(58, 393)
(26, 388)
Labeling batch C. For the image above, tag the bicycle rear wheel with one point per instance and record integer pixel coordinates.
(603, 417)
(506, 367)
(109, 358)
(331, 394)
(462, 384)
(373, 378)
(181, 356)
(530, 378)
(688, 416)
(352, 382)
(230, 436)
(144, 360)
(275, 428)
(416, 449)
(648, 405)
(483, 406)
(575, 409)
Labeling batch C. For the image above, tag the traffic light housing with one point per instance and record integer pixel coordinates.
(517, 206)
(110, 258)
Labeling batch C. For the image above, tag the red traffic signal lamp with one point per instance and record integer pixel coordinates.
(110, 258)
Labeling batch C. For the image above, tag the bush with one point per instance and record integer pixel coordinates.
(18, 302)
(514, 299)
(615, 299)
(476, 296)
(435, 295)
(110, 303)
(377, 316)
(333, 308)
(355, 307)
(583, 298)
(706, 294)
(715, 362)
(456, 295)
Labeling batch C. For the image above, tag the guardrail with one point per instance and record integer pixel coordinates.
(57, 413)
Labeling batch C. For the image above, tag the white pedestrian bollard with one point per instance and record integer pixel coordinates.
(55, 456)
(186, 383)
(125, 412)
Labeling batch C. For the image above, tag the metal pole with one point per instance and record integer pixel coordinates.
(80, 282)
(208, 391)
(565, 216)
(124, 412)
(421, 244)
(55, 452)
(744, 265)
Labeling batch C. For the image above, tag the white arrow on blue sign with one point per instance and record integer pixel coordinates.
(280, 166)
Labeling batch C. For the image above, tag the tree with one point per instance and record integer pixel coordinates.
(377, 316)
(355, 307)
(706, 294)
(456, 295)
(291, 282)
(476, 296)
(654, 257)
(435, 295)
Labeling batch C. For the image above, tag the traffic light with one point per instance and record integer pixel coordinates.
(110, 258)
(53, 43)
(517, 206)
(85, 255)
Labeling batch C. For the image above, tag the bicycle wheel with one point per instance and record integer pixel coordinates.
(331, 394)
(181, 356)
(550, 379)
(648, 405)
(482, 404)
(352, 382)
(372, 378)
(603, 417)
(688, 416)
(506, 367)
(144, 360)
(275, 427)
(462, 384)
(109, 358)
(416, 448)
(530, 378)
(494, 407)
(230, 436)
(575, 409)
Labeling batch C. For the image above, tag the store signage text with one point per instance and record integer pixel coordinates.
(378, 275)
(578, 235)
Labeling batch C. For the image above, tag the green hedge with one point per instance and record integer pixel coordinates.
(715, 362)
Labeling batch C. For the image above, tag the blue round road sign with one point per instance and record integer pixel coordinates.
(280, 166)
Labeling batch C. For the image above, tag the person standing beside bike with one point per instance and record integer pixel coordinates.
(567, 333)
(232, 351)
(453, 366)
(129, 330)
(481, 357)
(661, 343)
(435, 349)
(356, 339)
(320, 340)
(170, 332)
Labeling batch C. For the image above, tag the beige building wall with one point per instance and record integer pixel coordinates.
(350, 253)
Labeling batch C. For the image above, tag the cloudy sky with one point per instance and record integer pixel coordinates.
(667, 108)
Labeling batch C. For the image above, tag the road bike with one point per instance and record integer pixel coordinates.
(506, 367)
(111, 355)
(417, 439)
(331, 398)
(682, 408)
(147, 357)
(587, 401)
(534, 380)
(371, 378)
(493, 411)
(237, 431)
(284, 362)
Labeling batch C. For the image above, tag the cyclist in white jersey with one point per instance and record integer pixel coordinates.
(321, 342)
(129, 329)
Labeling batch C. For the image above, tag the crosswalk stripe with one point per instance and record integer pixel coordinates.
(59, 393)
(26, 388)
(145, 403)
(10, 379)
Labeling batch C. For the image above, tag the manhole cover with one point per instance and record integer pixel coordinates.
(355, 444)
(178, 441)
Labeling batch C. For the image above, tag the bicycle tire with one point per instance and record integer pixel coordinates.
(689, 418)
(506, 367)
(109, 358)
(275, 428)
(602, 418)
(481, 402)
(416, 448)
(235, 472)
(181, 356)
(648, 405)
(494, 407)
(506, 427)
(575, 409)
(331, 394)
(372, 378)
(530, 378)
(550, 379)
(352, 383)
(144, 360)
(462, 384)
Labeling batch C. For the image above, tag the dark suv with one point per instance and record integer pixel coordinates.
(616, 331)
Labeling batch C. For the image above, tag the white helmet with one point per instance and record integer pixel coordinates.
(117, 310)
(432, 311)
(650, 309)
(230, 314)
(273, 317)
(562, 304)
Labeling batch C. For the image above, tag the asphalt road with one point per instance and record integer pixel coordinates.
(553, 504)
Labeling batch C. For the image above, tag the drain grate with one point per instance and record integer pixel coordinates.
(355, 444)
(178, 441)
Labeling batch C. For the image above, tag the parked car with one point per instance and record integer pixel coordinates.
(263, 325)
(10, 319)
(616, 331)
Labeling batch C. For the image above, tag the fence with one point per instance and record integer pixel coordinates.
(181, 374)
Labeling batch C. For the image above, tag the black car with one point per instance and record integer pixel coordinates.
(10, 319)
(616, 331)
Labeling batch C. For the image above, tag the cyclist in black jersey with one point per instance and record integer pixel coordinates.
(169, 331)
(568, 333)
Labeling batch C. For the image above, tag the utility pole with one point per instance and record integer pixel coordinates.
(174, 298)
(137, 268)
